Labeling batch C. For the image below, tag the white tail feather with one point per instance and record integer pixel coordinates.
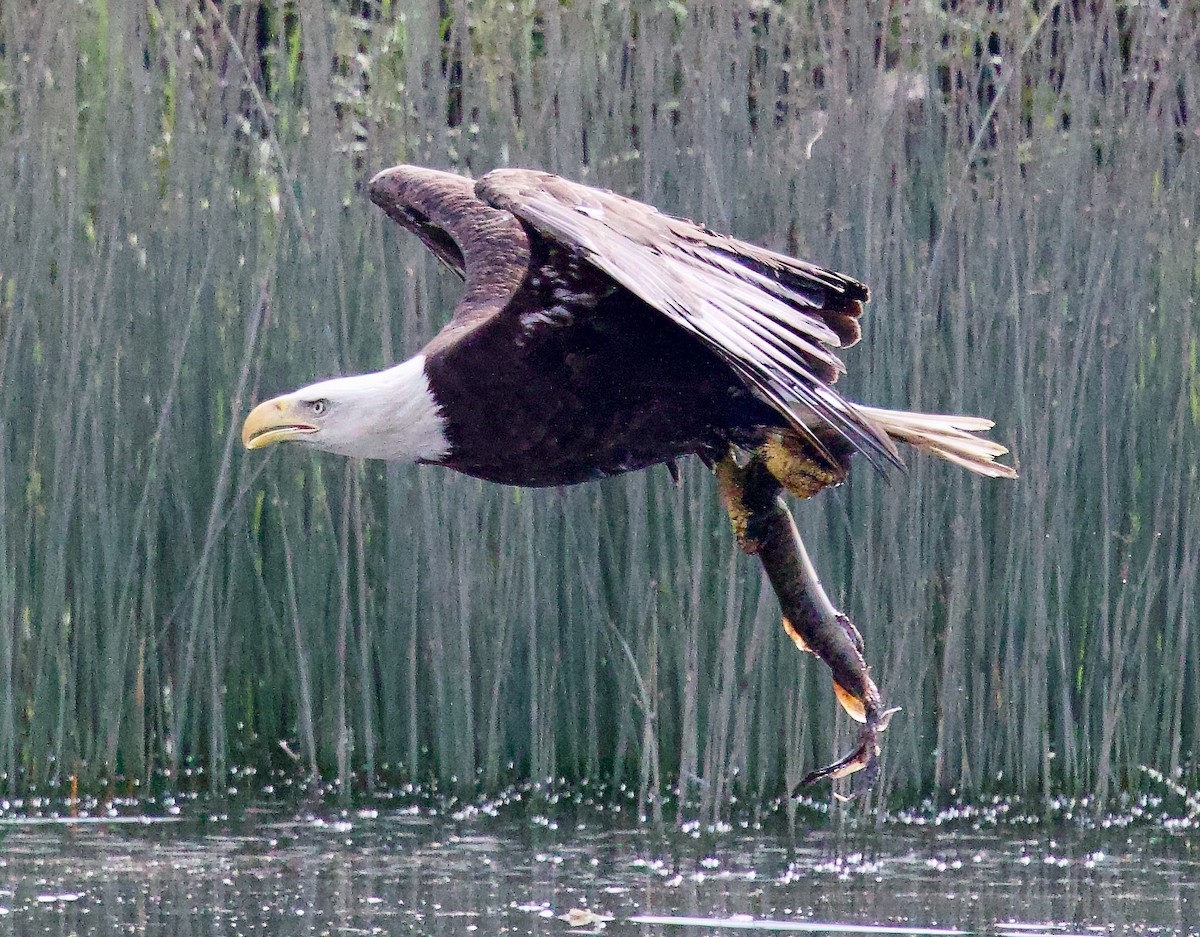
(947, 436)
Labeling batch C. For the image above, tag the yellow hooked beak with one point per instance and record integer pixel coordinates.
(275, 421)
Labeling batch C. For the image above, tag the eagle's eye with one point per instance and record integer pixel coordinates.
(318, 406)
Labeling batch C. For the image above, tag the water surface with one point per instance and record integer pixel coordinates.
(269, 869)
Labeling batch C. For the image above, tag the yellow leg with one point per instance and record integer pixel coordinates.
(731, 479)
(789, 459)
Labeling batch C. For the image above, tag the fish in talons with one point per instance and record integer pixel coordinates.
(751, 487)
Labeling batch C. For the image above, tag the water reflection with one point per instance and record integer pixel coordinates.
(270, 870)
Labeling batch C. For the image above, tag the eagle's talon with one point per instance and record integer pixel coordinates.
(884, 719)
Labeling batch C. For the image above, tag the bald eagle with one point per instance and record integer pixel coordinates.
(597, 336)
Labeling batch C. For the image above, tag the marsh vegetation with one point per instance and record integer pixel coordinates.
(183, 232)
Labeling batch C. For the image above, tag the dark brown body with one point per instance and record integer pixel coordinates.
(598, 336)
(590, 389)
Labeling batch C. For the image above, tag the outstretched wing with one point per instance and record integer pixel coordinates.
(484, 245)
(775, 320)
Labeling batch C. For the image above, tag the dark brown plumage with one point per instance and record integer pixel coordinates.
(597, 335)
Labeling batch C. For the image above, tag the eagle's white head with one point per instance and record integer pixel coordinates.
(390, 414)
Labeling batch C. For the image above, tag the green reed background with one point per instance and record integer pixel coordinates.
(183, 231)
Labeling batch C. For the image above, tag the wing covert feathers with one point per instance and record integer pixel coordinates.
(774, 319)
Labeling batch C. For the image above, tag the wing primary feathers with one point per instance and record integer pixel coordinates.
(773, 319)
